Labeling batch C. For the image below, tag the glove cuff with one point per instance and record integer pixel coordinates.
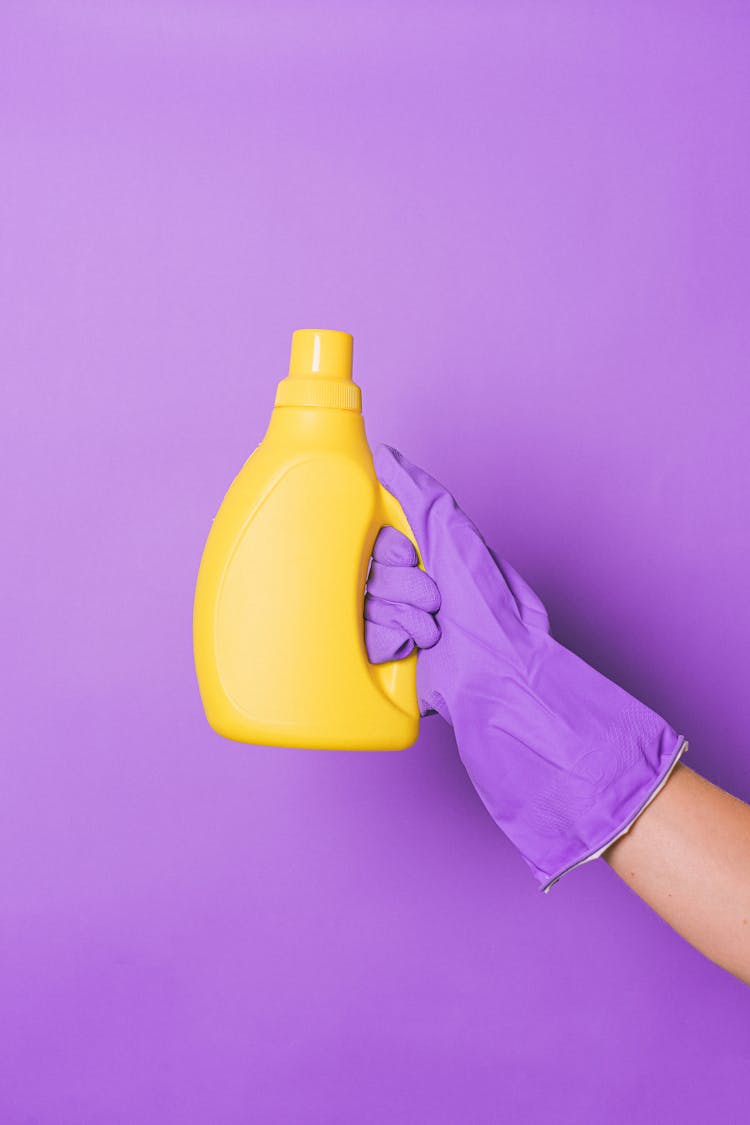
(645, 794)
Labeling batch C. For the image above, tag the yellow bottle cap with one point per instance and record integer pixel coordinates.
(320, 371)
(321, 353)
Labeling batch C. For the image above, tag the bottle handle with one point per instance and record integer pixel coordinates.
(398, 678)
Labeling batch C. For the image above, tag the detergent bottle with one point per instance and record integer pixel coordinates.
(278, 619)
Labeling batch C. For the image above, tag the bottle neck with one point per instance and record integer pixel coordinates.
(318, 429)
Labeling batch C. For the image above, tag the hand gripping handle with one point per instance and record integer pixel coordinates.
(398, 678)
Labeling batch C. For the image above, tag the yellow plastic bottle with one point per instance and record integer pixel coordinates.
(278, 627)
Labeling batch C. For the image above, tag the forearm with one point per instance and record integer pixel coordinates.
(688, 857)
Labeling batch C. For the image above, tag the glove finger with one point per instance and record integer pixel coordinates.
(417, 624)
(431, 510)
(384, 643)
(393, 548)
(414, 489)
(406, 584)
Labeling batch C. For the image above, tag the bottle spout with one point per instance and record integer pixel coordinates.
(320, 371)
(321, 353)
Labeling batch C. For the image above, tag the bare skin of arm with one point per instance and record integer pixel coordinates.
(688, 857)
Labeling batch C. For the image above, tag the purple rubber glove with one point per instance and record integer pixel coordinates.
(564, 759)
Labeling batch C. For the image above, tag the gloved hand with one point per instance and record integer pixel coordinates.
(563, 758)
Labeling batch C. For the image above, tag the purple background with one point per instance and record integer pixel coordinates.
(534, 219)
